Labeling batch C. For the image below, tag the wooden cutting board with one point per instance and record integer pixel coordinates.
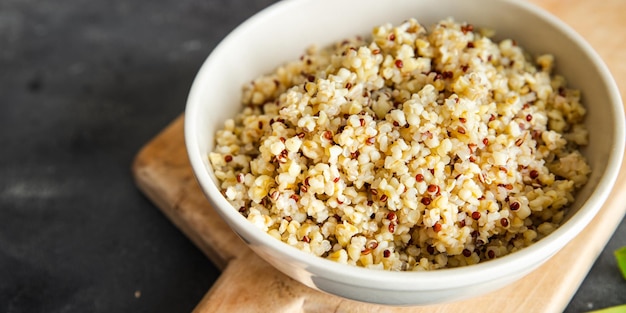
(249, 284)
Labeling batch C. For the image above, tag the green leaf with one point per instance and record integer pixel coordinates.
(620, 255)
(613, 309)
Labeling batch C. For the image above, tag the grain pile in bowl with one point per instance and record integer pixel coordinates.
(410, 150)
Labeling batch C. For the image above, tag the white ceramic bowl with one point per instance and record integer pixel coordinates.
(282, 32)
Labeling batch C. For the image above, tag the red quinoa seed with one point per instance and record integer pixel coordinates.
(419, 178)
(467, 28)
(328, 135)
(515, 206)
(534, 174)
(437, 227)
(433, 188)
(504, 222)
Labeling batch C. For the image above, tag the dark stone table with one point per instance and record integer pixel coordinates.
(83, 85)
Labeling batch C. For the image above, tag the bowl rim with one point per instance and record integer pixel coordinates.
(428, 280)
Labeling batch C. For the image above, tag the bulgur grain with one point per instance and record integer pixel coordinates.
(413, 149)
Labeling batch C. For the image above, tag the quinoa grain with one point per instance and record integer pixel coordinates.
(418, 149)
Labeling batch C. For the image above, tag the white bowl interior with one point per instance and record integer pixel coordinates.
(283, 31)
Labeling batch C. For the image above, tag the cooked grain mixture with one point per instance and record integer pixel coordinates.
(410, 150)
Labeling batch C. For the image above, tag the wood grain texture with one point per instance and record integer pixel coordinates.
(249, 284)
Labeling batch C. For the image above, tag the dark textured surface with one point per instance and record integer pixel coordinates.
(83, 85)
